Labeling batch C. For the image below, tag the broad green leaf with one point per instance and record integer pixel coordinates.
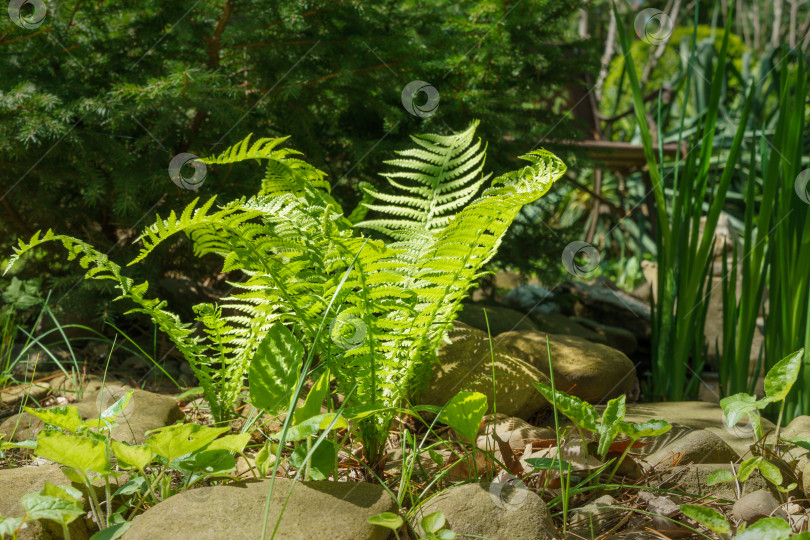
(312, 405)
(782, 376)
(322, 461)
(72, 475)
(609, 425)
(770, 472)
(736, 407)
(388, 520)
(68, 493)
(130, 456)
(66, 418)
(58, 509)
(80, 453)
(136, 484)
(433, 522)
(111, 413)
(772, 528)
(582, 413)
(231, 443)
(274, 369)
(748, 467)
(718, 476)
(8, 526)
(464, 413)
(171, 442)
(206, 463)
(445, 534)
(311, 426)
(651, 428)
(547, 463)
(788, 488)
(708, 517)
(113, 532)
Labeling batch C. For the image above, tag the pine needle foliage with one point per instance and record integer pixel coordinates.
(297, 251)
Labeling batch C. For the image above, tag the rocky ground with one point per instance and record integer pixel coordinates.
(599, 342)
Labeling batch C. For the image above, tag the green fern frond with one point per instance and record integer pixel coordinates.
(434, 181)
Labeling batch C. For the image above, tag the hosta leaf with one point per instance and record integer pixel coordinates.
(464, 413)
(651, 428)
(66, 418)
(58, 509)
(311, 426)
(770, 472)
(708, 517)
(130, 456)
(80, 453)
(610, 424)
(582, 413)
(736, 407)
(772, 528)
(8, 526)
(718, 476)
(231, 443)
(782, 376)
(69, 493)
(387, 520)
(171, 442)
(322, 461)
(748, 467)
(206, 463)
(312, 405)
(433, 522)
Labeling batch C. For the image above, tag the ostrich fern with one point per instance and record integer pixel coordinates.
(297, 251)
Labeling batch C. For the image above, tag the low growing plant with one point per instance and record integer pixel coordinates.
(87, 453)
(303, 262)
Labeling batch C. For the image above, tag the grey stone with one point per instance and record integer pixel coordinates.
(499, 511)
(531, 298)
(690, 415)
(616, 338)
(602, 302)
(757, 505)
(595, 518)
(700, 446)
(691, 479)
(561, 325)
(465, 364)
(590, 371)
(501, 319)
(325, 509)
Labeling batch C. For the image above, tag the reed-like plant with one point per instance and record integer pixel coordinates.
(684, 244)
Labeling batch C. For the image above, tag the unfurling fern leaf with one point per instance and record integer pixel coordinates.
(298, 255)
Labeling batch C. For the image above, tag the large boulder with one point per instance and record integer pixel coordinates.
(500, 511)
(324, 509)
(466, 364)
(590, 371)
(688, 416)
(501, 319)
(554, 323)
(144, 412)
(699, 446)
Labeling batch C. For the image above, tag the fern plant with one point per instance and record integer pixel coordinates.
(299, 255)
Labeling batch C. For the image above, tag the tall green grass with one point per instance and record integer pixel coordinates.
(684, 256)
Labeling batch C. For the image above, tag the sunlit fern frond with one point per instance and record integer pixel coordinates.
(433, 181)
